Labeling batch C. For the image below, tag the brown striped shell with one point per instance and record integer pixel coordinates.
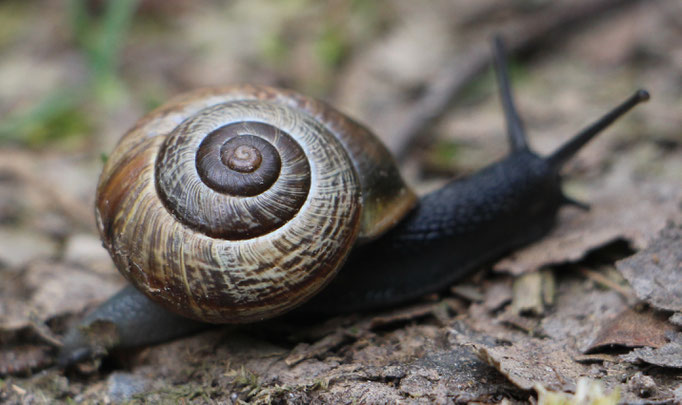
(239, 203)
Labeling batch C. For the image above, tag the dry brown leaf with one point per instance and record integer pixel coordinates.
(656, 272)
(402, 314)
(632, 329)
(636, 216)
(555, 361)
(47, 289)
(22, 359)
(463, 375)
(323, 346)
(497, 294)
(669, 355)
(532, 361)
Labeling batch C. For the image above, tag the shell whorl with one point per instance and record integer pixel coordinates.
(237, 204)
(208, 188)
(211, 252)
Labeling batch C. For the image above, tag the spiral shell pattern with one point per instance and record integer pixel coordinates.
(203, 182)
(220, 250)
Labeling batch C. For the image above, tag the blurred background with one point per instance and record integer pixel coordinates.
(76, 74)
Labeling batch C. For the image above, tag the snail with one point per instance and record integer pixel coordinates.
(238, 204)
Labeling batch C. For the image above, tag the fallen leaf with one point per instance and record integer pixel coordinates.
(402, 315)
(632, 329)
(47, 289)
(656, 272)
(554, 360)
(464, 376)
(304, 351)
(497, 295)
(635, 216)
(669, 355)
(532, 361)
(22, 359)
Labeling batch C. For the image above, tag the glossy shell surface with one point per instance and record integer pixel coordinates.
(231, 253)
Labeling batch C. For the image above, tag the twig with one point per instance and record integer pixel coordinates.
(606, 282)
(525, 34)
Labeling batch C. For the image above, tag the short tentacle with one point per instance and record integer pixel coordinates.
(567, 200)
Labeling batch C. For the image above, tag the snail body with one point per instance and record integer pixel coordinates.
(241, 203)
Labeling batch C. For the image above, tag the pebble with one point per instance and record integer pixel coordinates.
(123, 386)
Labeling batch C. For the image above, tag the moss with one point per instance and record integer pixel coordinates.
(331, 46)
(58, 118)
(65, 114)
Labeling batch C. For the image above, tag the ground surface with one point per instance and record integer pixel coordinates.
(558, 316)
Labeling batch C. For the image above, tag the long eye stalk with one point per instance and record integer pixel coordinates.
(515, 129)
(570, 148)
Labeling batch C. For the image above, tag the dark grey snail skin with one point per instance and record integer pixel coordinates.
(451, 232)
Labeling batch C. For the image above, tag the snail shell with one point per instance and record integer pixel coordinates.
(239, 203)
